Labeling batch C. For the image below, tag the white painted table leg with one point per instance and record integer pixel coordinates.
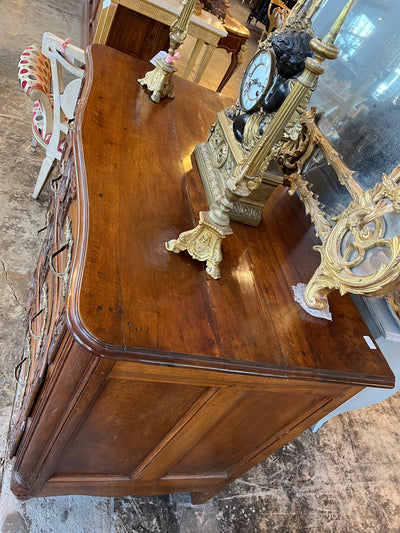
(204, 62)
(193, 58)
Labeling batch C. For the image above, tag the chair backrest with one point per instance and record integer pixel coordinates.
(278, 12)
(34, 71)
(34, 75)
(66, 61)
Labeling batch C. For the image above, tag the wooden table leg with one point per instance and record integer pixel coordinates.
(236, 60)
(193, 58)
(204, 62)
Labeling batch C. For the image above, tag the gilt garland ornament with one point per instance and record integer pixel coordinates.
(247, 175)
(358, 236)
(159, 81)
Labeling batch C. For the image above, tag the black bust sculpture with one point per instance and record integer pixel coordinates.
(291, 48)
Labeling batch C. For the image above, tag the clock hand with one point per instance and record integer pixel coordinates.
(253, 82)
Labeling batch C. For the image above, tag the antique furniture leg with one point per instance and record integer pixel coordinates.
(204, 62)
(233, 43)
(193, 58)
(236, 60)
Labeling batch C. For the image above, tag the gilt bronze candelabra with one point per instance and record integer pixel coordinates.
(159, 81)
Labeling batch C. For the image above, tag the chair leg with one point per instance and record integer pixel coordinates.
(45, 169)
(34, 143)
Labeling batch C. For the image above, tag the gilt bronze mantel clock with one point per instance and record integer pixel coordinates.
(266, 82)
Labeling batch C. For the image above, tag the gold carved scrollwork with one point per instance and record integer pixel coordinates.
(358, 255)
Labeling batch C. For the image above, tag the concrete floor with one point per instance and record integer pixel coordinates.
(346, 478)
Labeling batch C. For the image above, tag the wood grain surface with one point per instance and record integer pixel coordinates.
(143, 188)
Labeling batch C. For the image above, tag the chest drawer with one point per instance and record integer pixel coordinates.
(45, 316)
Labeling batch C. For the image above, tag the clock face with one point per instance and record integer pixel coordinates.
(257, 79)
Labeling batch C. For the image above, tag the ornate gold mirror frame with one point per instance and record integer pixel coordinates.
(358, 253)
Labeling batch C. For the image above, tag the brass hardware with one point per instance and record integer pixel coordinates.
(54, 181)
(59, 177)
(47, 223)
(44, 309)
(35, 316)
(18, 369)
(203, 243)
(159, 81)
(68, 244)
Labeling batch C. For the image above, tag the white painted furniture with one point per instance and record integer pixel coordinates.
(42, 73)
(206, 28)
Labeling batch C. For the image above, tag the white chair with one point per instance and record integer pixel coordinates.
(42, 74)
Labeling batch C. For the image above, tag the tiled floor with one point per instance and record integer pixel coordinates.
(346, 478)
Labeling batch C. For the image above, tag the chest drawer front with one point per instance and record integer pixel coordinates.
(45, 318)
(30, 371)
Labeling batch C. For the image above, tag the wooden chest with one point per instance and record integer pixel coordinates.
(131, 31)
(141, 375)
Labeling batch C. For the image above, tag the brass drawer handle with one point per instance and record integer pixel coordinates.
(67, 245)
(47, 223)
(44, 309)
(17, 372)
(59, 176)
(36, 337)
(18, 368)
(53, 182)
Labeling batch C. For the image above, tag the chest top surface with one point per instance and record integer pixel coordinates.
(138, 187)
